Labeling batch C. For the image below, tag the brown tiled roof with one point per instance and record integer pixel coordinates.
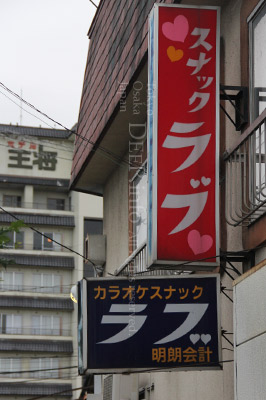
(119, 41)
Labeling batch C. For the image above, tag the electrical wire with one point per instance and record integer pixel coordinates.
(35, 116)
(58, 393)
(93, 3)
(38, 140)
(61, 158)
(36, 370)
(47, 237)
(107, 153)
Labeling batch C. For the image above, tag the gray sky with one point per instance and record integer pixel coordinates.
(43, 51)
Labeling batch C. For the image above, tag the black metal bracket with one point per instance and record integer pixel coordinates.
(239, 100)
(247, 258)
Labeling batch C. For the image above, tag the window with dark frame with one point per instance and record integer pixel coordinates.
(257, 62)
(12, 201)
(138, 213)
(55, 204)
(16, 240)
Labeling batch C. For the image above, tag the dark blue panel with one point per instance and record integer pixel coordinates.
(160, 307)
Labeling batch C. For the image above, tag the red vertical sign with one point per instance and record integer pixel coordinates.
(187, 134)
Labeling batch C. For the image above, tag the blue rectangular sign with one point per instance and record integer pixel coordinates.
(151, 323)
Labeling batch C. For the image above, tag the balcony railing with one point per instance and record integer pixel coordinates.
(136, 265)
(245, 176)
(28, 246)
(35, 289)
(35, 331)
(36, 205)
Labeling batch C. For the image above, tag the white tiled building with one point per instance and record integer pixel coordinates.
(37, 316)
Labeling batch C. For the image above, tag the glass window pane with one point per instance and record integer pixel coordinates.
(19, 240)
(18, 280)
(47, 283)
(57, 238)
(93, 227)
(47, 325)
(34, 366)
(57, 284)
(17, 324)
(259, 63)
(10, 243)
(47, 242)
(55, 204)
(3, 323)
(56, 325)
(36, 282)
(16, 367)
(9, 324)
(37, 241)
(36, 325)
(8, 280)
(140, 212)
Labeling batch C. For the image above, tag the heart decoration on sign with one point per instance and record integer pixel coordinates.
(194, 183)
(178, 30)
(173, 54)
(205, 181)
(199, 244)
(194, 338)
(206, 338)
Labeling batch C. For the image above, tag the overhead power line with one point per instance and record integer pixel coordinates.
(36, 370)
(93, 3)
(105, 152)
(47, 237)
(58, 393)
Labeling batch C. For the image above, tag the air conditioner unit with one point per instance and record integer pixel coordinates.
(95, 249)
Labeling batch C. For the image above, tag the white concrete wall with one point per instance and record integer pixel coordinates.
(116, 218)
(63, 148)
(250, 334)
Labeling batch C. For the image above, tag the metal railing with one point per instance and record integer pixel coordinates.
(136, 265)
(245, 176)
(30, 246)
(36, 205)
(35, 331)
(35, 289)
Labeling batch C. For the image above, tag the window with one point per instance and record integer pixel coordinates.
(46, 243)
(93, 227)
(16, 240)
(10, 324)
(47, 283)
(11, 280)
(12, 365)
(11, 201)
(138, 213)
(257, 30)
(55, 204)
(39, 366)
(45, 325)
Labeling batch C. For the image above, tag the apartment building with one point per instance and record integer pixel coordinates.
(113, 115)
(38, 320)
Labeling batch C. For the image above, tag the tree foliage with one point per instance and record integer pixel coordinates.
(5, 239)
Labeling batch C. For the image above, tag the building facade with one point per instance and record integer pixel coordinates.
(38, 350)
(111, 162)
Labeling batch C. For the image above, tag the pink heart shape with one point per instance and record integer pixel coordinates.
(178, 30)
(199, 244)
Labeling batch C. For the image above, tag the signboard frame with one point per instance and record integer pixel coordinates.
(86, 368)
(152, 144)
